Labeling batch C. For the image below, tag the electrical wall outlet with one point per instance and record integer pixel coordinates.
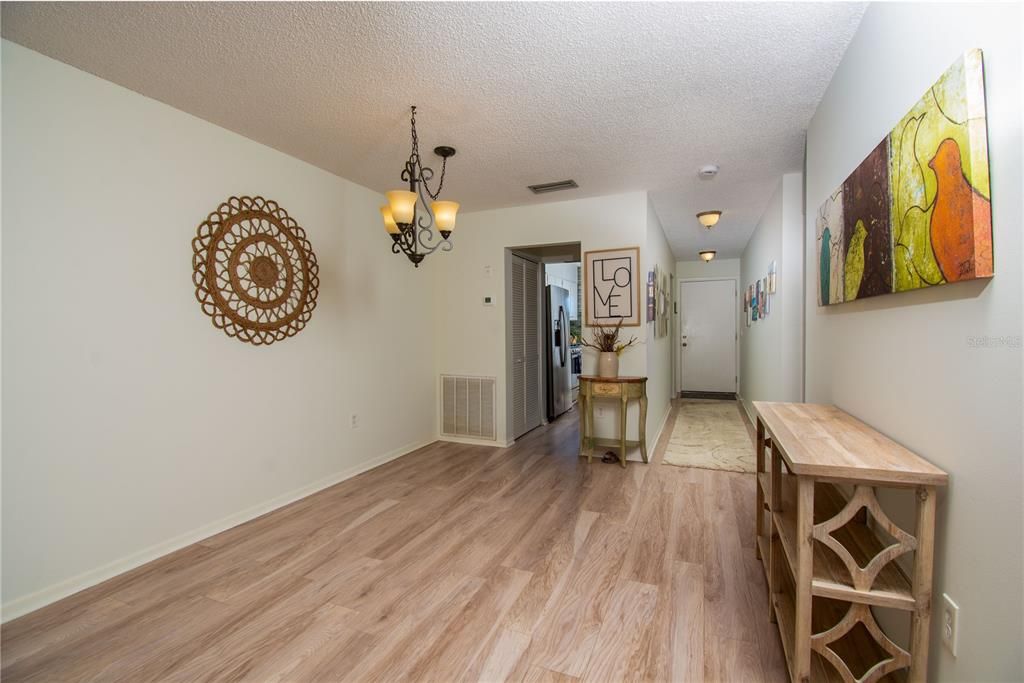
(949, 620)
(355, 421)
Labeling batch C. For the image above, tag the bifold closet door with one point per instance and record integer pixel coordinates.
(525, 358)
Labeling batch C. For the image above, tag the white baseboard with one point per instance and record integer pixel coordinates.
(664, 421)
(653, 443)
(23, 605)
(473, 442)
(746, 409)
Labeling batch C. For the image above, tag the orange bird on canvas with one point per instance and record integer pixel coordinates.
(961, 225)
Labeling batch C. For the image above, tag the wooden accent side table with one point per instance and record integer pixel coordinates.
(827, 564)
(623, 389)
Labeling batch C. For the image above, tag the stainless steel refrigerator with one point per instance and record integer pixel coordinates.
(559, 361)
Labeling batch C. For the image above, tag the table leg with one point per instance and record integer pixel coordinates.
(922, 584)
(622, 428)
(590, 429)
(582, 405)
(759, 494)
(775, 558)
(804, 570)
(643, 427)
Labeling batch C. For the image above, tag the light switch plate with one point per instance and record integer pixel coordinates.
(949, 621)
(488, 301)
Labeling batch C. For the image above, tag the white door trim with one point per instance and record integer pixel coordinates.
(677, 381)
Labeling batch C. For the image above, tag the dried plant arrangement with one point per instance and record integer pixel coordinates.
(607, 340)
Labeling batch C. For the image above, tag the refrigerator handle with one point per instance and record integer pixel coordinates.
(562, 326)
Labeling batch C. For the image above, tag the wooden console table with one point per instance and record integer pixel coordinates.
(623, 389)
(827, 566)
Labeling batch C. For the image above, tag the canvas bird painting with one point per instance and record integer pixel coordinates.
(832, 264)
(917, 211)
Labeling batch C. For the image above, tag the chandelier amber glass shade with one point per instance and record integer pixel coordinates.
(707, 255)
(403, 205)
(444, 214)
(389, 221)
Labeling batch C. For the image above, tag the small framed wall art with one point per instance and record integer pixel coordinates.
(651, 294)
(664, 296)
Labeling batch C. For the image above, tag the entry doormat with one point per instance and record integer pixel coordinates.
(710, 435)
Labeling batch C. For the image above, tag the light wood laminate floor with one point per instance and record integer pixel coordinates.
(452, 563)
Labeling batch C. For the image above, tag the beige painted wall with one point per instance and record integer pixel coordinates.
(689, 270)
(659, 349)
(131, 425)
(910, 364)
(771, 349)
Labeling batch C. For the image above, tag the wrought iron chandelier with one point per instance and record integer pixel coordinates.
(412, 232)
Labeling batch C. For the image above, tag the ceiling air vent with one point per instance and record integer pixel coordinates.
(553, 187)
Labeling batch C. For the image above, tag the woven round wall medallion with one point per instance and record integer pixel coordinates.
(254, 271)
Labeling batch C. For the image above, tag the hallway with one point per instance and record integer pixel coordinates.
(452, 563)
(299, 299)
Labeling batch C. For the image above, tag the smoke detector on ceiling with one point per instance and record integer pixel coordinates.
(707, 172)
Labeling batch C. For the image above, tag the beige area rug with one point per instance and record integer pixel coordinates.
(710, 435)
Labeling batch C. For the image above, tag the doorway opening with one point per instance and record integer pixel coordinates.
(542, 328)
(708, 349)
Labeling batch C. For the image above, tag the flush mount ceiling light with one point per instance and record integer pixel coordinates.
(709, 218)
(706, 256)
(413, 234)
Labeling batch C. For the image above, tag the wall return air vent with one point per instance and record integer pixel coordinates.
(544, 188)
(467, 407)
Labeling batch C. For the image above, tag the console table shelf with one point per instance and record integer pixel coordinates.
(831, 578)
(829, 549)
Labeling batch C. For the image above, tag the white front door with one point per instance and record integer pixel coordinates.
(707, 335)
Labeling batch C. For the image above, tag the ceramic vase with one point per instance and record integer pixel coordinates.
(608, 364)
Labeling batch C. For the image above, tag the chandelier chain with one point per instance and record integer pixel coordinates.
(427, 173)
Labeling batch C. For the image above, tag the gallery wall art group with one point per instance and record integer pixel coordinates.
(757, 298)
(917, 211)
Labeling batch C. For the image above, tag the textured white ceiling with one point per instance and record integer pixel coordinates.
(618, 96)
